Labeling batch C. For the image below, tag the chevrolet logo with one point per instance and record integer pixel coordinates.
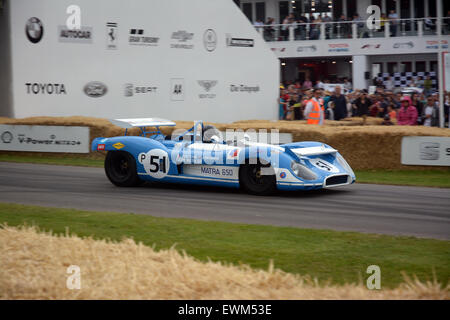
(118, 145)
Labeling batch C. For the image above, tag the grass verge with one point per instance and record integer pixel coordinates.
(342, 257)
(426, 178)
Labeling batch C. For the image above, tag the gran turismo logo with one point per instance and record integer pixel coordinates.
(138, 37)
(34, 30)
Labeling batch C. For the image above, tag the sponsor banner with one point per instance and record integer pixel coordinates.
(435, 44)
(45, 88)
(82, 35)
(338, 47)
(403, 45)
(34, 29)
(182, 37)
(137, 37)
(44, 138)
(426, 151)
(95, 89)
(244, 88)
(131, 89)
(311, 48)
(239, 42)
(207, 86)
(111, 35)
(177, 89)
(222, 172)
(210, 40)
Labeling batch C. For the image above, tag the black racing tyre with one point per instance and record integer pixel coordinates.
(120, 168)
(253, 182)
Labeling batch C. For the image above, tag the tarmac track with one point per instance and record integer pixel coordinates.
(395, 210)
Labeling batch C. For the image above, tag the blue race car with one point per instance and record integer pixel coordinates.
(200, 156)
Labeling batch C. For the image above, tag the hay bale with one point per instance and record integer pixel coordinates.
(33, 265)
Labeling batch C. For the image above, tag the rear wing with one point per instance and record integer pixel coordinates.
(142, 123)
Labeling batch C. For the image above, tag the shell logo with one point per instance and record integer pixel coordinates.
(118, 145)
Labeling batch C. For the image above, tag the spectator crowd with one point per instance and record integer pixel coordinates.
(298, 101)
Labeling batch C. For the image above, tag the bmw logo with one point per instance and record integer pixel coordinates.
(34, 30)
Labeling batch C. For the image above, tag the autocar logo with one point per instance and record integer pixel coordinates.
(429, 151)
(210, 40)
(207, 84)
(6, 137)
(95, 89)
(403, 45)
(34, 30)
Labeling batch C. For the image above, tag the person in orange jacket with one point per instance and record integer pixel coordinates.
(314, 111)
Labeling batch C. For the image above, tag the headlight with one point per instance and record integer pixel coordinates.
(302, 171)
(344, 164)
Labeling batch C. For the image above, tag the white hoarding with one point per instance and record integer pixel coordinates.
(44, 138)
(426, 151)
(174, 59)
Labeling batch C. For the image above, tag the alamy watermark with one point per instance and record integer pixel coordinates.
(374, 280)
(73, 281)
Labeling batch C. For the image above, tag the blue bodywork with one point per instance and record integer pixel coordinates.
(178, 161)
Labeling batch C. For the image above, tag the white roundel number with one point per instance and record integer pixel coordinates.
(155, 162)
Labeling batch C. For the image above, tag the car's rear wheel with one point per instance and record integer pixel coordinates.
(254, 181)
(120, 168)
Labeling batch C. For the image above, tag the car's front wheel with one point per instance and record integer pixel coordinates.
(257, 179)
(120, 168)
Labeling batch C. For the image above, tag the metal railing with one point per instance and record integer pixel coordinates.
(416, 27)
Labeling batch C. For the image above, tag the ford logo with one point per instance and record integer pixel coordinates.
(95, 89)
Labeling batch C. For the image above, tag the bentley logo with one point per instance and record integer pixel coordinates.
(207, 84)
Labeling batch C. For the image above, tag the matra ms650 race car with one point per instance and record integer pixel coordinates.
(200, 156)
